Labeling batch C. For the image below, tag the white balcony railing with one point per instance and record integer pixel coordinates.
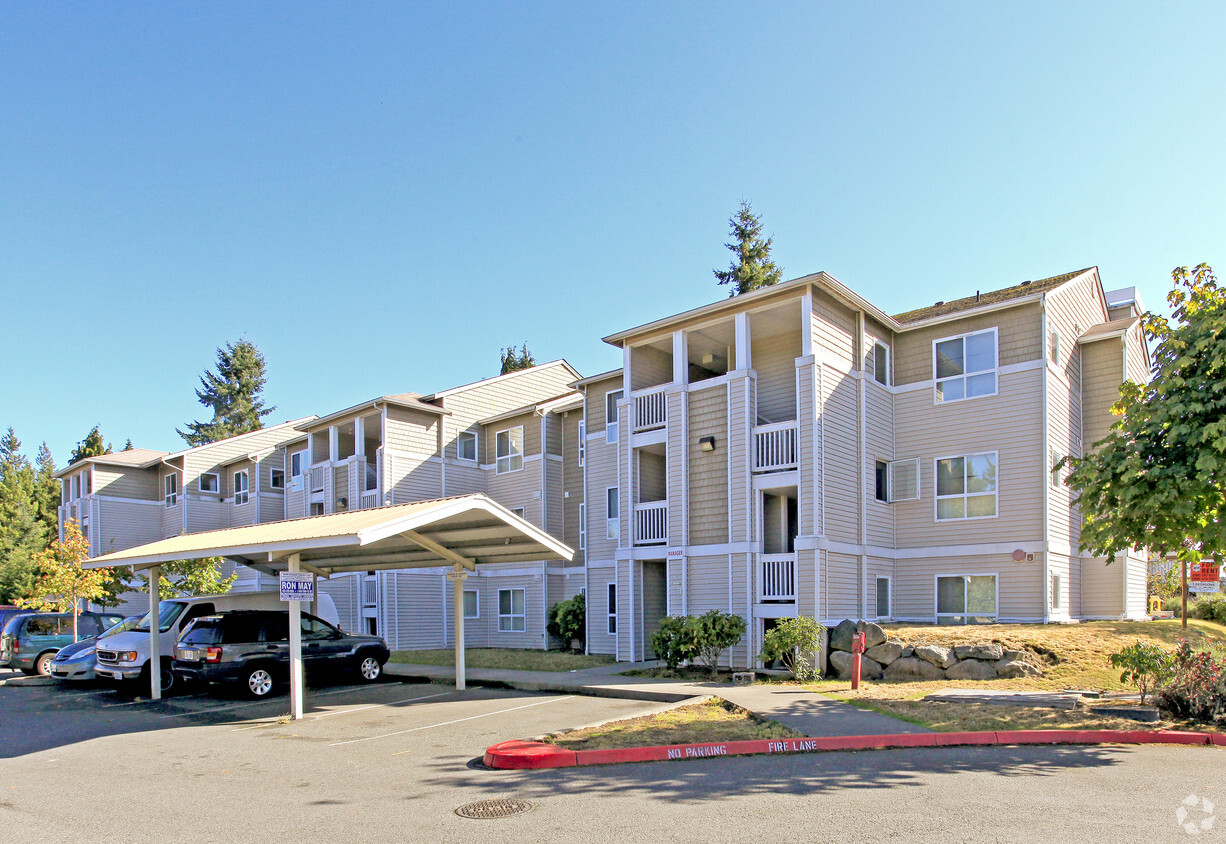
(776, 577)
(368, 499)
(774, 447)
(650, 409)
(319, 477)
(651, 523)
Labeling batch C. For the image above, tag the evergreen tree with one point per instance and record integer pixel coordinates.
(513, 361)
(233, 393)
(91, 446)
(128, 445)
(752, 269)
(46, 490)
(22, 534)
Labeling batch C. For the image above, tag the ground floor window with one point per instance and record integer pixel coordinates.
(883, 597)
(471, 608)
(512, 615)
(1055, 592)
(612, 609)
(966, 599)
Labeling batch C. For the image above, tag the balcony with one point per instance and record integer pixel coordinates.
(650, 409)
(368, 499)
(776, 577)
(774, 447)
(651, 523)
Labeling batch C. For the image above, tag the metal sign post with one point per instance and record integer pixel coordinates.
(295, 586)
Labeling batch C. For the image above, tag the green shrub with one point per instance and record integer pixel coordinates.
(1194, 686)
(1210, 607)
(713, 633)
(795, 641)
(567, 622)
(673, 640)
(1144, 664)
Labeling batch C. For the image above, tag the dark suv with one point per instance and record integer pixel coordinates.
(250, 648)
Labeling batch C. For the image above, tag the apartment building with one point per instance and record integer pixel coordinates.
(799, 451)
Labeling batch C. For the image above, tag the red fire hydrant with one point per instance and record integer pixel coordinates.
(857, 653)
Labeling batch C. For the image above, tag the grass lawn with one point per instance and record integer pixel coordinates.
(714, 720)
(513, 660)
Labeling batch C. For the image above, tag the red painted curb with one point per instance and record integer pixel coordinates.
(521, 755)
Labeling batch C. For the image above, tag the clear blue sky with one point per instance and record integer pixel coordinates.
(380, 196)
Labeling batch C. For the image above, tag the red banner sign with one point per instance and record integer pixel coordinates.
(1204, 572)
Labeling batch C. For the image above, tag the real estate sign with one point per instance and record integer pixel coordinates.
(296, 586)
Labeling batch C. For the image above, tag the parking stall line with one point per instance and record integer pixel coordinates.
(242, 705)
(377, 705)
(448, 723)
(148, 700)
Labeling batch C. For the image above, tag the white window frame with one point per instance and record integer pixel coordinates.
(611, 611)
(889, 595)
(519, 511)
(886, 464)
(1057, 591)
(892, 488)
(1052, 472)
(476, 441)
(613, 513)
(936, 596)
(506, 621)
(881, 377)
(936, 488)
(301, 461)
(1053, 348)
(243, 495)
(76, 486)
(582, 442)
(87, 481)
(506, 463)
(582, 527)
(272, 478)
(966, 374)
(216, 476)
(611, 431)
(170, 489)
(476, 603)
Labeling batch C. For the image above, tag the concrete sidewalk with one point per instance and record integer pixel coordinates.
(808, 713)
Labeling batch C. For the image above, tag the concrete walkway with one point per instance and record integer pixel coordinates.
(808, 713)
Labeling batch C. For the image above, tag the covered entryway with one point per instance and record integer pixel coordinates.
(461, 532)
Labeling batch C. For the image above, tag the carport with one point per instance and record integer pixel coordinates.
(462, 532)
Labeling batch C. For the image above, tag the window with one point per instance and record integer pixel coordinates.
(210, 482)
(582, 442)
(76, 486)
(903, 481)
(295, 464)
(1055, 591)
(883, 597)
(472, 607)
(1054, 347)
(510, 450)
(171, 488)
(582, 527)
(276, 479)
(881, 477)
(518, 511)
(240, 486)
(512, 617)
(612, 608)
(966, 487)
(611, 504)
(87, 481)
(610, 415)
(466, 446)
(881, 363)
(966, 599)
(965, 367)
(1054, 464)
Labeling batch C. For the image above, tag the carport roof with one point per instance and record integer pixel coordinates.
(464, 530)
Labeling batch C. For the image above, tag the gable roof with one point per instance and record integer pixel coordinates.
(506, 377)
(412, 401)
(555, 403)
(139, 458)
(1105, 330)
(1025, 289)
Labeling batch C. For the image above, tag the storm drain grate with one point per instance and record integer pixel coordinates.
(486, 809)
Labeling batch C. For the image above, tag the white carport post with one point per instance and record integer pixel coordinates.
(457, 579)
(155, 632)
(295, 648)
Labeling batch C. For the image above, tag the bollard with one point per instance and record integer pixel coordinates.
(857, 653)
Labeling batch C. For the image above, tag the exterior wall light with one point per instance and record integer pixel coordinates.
(342, 503)
(707, 443)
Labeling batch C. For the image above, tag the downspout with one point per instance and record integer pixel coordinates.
(1045, 588)
(587, 544)
(863, 486)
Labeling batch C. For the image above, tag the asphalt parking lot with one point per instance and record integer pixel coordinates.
(392, 761)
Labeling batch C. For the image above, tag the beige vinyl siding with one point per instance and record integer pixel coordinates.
(877, 333)
(708, 584)
(533, 585)
(598, 639)
(572, 482)
(412, 431)
(809, 445)
(126, 483)
(172, 517)
(530, 422)
(1102, 587)
(1138, 370)
(602, 473)
(1059, 565)
(841, 429)
(207, 513)
(340, 489)
(878, 567)
(834, 329)
(879, 445)
(463, 479)
(519, 489)
(649, 367)
(1101, 377)
(774, 359)
(122, 525)
(840, 586)
(1136, 583)
(652, 477)
(481, 401)
(740, 433)
(676, 447)
(596, 403)
(414, 604)
(628, 644)
(555, 504)
(653, 591)
(272, 506)
(346, 594)
(741, 565)
(806, 583)
(1020, 588)
(1010, 424)
(1020, 339)
(708, 470)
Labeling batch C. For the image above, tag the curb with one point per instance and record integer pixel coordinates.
(616, 692)
(522, 755)
(29, 681)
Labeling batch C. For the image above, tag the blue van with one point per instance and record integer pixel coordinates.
(30, 641)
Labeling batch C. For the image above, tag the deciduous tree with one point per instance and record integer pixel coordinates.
(752, 267)
(234, 393)
(63, 584)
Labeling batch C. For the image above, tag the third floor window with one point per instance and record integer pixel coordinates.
(965, 367)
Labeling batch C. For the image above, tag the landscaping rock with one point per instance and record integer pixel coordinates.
(840, 661)
(873, 634)
(840, 636)
(1009, 656)
(935, 654)
(988, 652)
(885, 653)
(908, 650)
(971, 669)
(1012, 668)
(910, 668)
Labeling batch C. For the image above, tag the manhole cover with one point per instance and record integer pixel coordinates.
(483, 809)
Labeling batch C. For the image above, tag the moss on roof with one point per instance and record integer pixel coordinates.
(992, 297)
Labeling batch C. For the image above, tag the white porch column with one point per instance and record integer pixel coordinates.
(295, 648)
(457, 578)
(681, 358)
(155, 633)
(743, 358)
(359, 436)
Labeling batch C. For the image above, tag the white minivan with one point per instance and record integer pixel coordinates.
(125, 656)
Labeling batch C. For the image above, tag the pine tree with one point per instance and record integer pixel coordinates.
(513, 361)
(752, 269)
(128, 445)
(46, 490)
(233, 393)
(91, 446)
(22, 534)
